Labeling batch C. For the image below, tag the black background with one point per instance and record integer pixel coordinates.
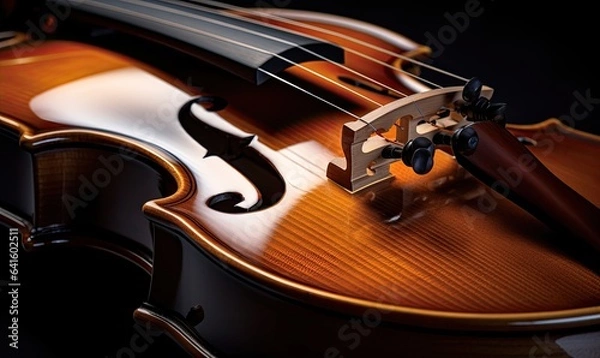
(534, 56)
(79, 303)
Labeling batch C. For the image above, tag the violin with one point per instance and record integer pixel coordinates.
(294, 185)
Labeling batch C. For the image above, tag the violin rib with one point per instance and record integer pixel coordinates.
(220, 193)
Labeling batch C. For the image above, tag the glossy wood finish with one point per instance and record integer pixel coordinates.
(456, 247)
(175, 328)
(25, 66)
(436, 251)
(243, 319)
(72, 61)
(517, 174)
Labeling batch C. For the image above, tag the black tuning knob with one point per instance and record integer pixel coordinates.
(472, 90)
(418, 154)
(477, 108)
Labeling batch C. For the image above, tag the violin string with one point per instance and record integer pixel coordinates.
(340, 35)
(293, 85)
(347, 49)
(248, 20)
(393, 68)
(224, 39)
(373, 47)
(224, 24)
(309, 93)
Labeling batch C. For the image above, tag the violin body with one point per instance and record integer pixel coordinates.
(221, 194)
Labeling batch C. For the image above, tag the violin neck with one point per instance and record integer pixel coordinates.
(247, 48)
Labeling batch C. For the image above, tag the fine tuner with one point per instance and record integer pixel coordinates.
(434, 118)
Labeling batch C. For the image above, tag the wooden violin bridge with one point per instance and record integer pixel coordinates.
(422, 115)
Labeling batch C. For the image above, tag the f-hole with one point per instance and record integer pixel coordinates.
(238, 153)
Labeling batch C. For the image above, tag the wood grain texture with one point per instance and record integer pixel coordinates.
(438, 245)
(28, 70)
(31, 75)
(457, 247)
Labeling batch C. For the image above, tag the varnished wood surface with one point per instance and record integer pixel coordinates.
(35, 69)
(438, 245)
(72, 61)
(515, 173)
(449, 251)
